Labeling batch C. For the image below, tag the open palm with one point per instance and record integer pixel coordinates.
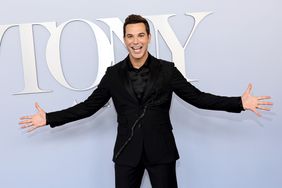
(253, 103)
(35, 121)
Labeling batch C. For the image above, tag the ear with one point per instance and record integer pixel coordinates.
(149, 36)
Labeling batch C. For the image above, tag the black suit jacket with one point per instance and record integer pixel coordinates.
(144, 126)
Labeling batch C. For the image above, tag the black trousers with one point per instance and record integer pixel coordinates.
(161, 175)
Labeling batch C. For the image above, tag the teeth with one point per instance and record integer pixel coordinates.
(136, 48)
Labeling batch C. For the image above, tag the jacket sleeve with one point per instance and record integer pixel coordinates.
(194, 96)
(92, 104)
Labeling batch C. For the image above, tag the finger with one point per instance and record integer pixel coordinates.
(257, 113)
(250, 87)
(32, 129)
(26, 117)
(38, 107)
(265, 103)
(254, 109)
(263, 97)
(263, 108)
(25, 121)
(26, 126)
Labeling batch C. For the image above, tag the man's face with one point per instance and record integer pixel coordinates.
(136, 40)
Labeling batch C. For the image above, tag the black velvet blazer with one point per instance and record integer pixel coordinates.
(144, 126)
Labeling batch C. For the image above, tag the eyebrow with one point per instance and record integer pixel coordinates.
(142, 33)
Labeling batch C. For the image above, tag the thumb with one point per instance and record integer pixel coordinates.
(249, 89)
(38, 107)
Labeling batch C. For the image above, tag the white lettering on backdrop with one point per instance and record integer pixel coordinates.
(105, 47)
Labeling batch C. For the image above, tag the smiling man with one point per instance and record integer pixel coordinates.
(141, 87)
(137, 39)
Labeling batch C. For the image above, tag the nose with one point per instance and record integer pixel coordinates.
(135, 40)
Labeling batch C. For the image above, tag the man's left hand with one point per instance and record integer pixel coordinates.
(253, 103)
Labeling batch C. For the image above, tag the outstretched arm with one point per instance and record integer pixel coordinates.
(253, 103)
(35, 121)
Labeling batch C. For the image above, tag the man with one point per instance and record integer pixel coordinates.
(141, 88)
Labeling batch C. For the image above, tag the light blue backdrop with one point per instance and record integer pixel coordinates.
(239, 43)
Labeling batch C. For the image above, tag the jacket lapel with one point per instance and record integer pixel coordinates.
(154, 75)
(125, 80)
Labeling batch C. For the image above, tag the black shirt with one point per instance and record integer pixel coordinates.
(139, 77)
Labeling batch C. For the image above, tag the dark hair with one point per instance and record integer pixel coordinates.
(133, 19)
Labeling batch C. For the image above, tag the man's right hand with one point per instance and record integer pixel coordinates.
(35, 121)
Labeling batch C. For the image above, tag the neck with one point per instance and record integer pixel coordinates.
(137, 63)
